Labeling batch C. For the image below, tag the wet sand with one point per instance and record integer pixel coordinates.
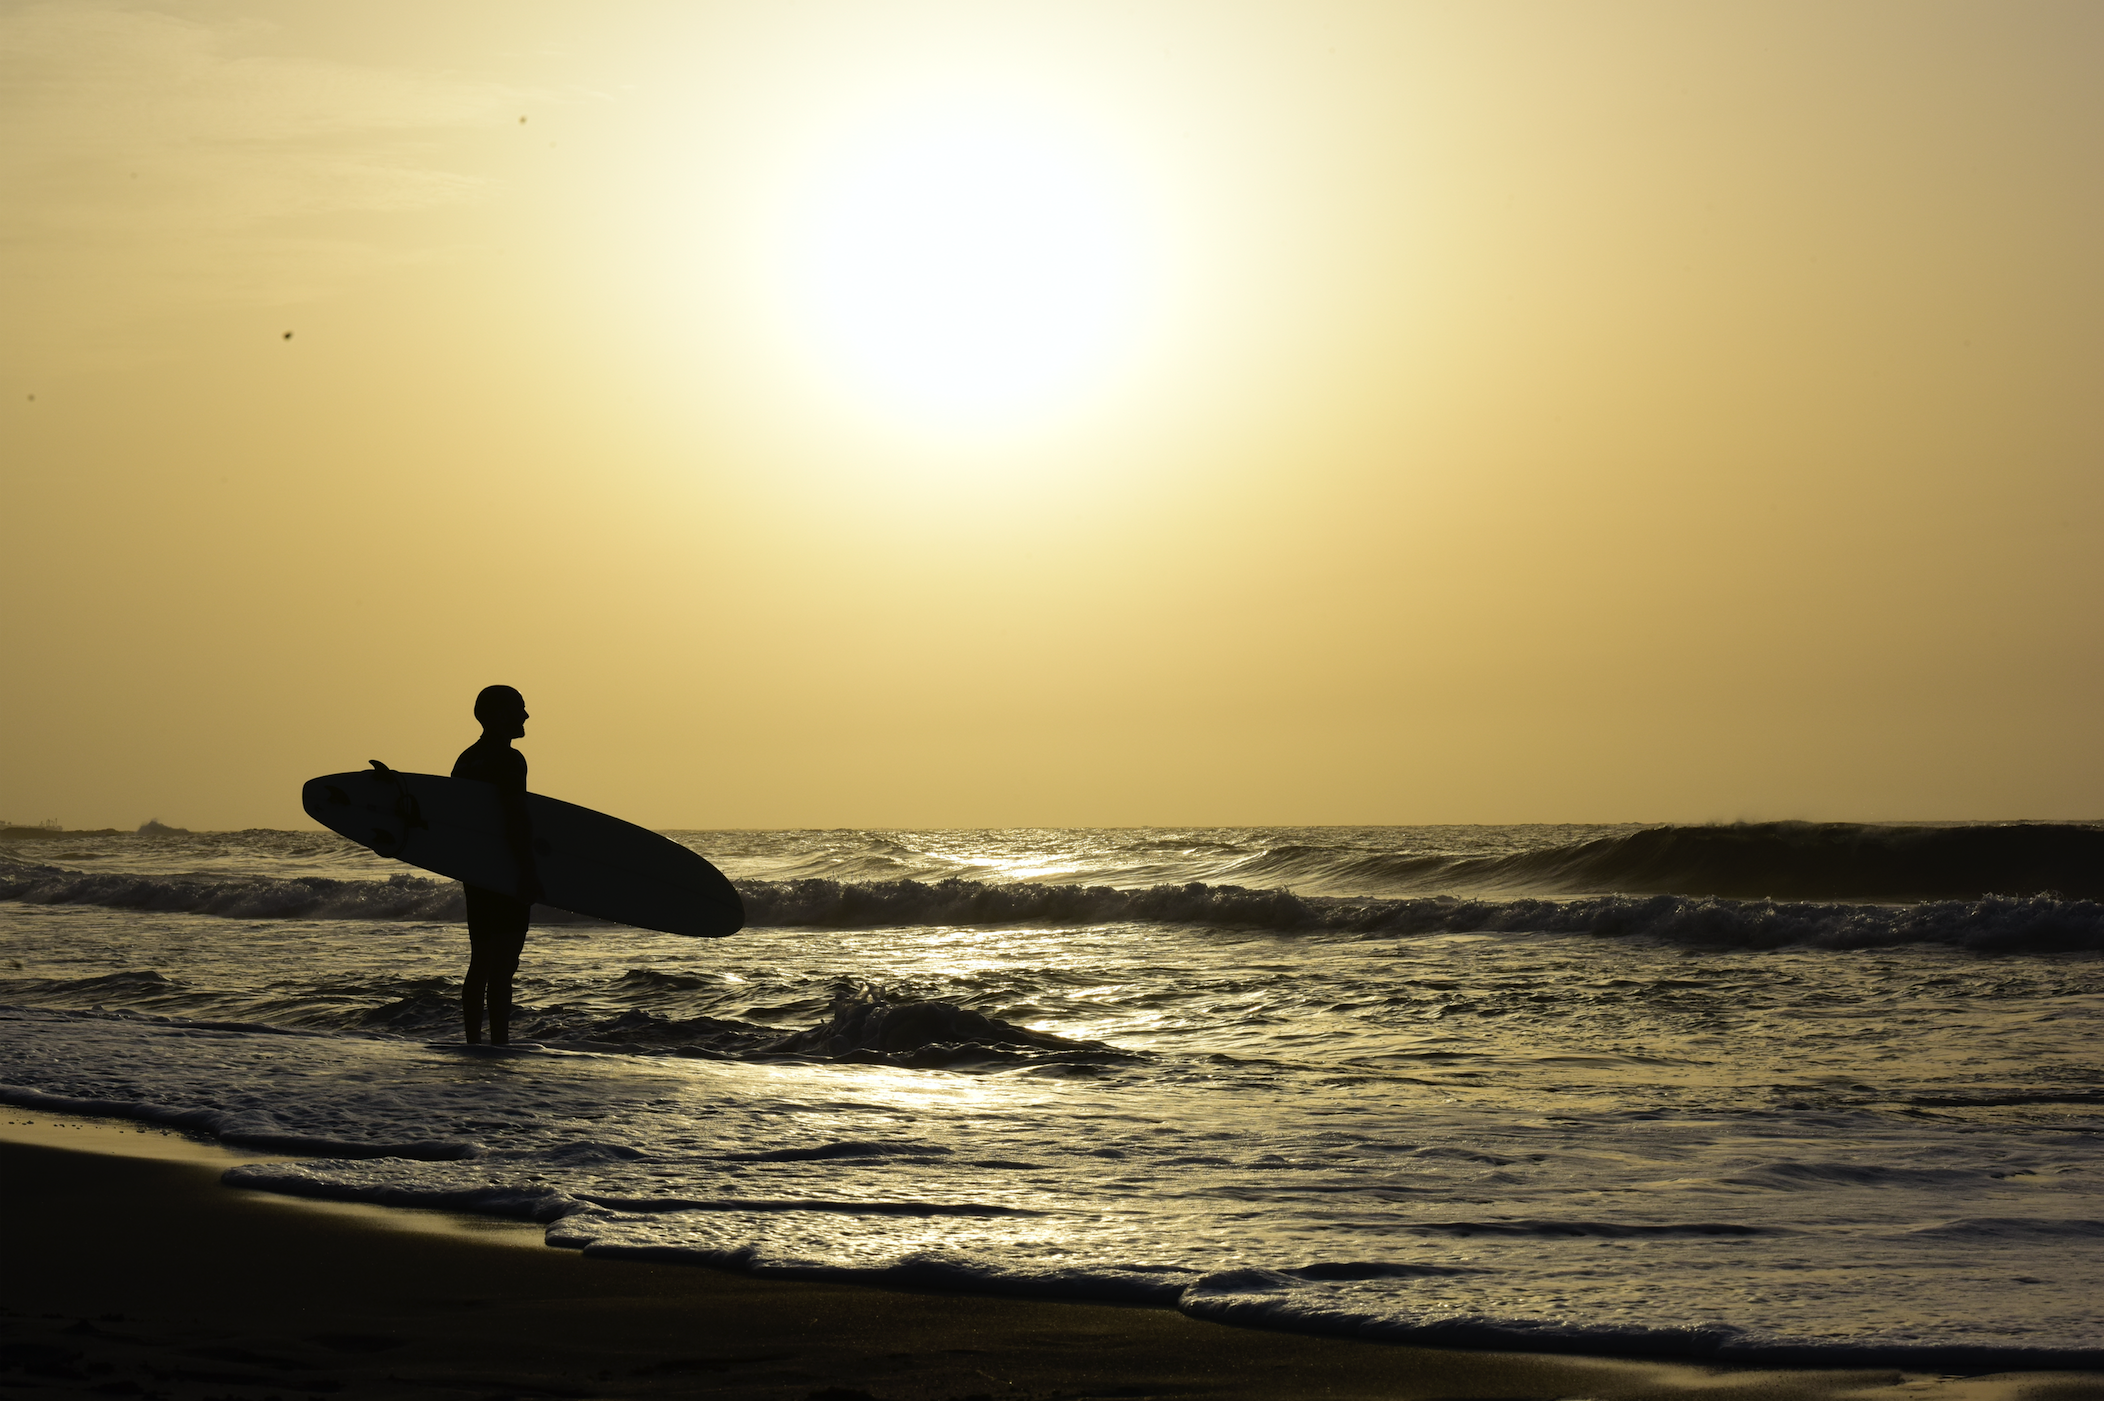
(131, 1272)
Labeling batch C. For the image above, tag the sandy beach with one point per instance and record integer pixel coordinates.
(133, 1272)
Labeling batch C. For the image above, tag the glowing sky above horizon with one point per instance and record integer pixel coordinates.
(951, 414)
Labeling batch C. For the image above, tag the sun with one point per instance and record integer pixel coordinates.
(967, 264)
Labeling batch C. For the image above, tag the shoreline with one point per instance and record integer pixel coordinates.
(134, 1272)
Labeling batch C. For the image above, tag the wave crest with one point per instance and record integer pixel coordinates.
(1985, 924)
(2039, 923)
(1812, 861)
(866, 1025)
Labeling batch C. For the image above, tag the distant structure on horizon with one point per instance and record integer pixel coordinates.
(154, 827)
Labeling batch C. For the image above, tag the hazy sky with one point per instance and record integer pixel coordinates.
(873, 413)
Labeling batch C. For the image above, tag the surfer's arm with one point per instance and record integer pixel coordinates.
(518, 835)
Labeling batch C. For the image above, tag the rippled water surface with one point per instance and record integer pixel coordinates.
(1398, 1082)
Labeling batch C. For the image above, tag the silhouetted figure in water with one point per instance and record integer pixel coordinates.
(497, 921)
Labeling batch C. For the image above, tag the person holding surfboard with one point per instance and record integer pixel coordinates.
(514, 849)
(497, 919)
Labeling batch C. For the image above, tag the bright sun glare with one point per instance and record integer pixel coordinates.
(968, 266)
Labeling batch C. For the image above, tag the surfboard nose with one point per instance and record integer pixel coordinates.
(324, 801)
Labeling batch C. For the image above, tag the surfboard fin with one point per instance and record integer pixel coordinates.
(380, 766)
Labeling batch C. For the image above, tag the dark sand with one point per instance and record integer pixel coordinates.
(138, 1276)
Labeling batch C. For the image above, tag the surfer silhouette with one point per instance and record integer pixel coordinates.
(497, 919)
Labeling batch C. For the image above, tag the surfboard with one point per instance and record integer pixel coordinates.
(589, 863)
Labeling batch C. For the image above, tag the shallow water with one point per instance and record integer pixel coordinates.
(1426, 1094)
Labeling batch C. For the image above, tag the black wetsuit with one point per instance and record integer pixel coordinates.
(496, 921)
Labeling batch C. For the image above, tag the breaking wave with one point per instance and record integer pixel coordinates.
(1748, 860)
(399, 897)
(1990, 924)
(866, 1025)
(1806, 861)
(1986, 923)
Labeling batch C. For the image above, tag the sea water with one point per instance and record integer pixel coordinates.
(1583, 1088)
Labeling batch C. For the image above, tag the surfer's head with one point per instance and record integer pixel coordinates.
(502, 711)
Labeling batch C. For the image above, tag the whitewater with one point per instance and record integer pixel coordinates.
(1779, 1093)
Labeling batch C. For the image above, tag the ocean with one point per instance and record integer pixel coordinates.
(1781, 1093)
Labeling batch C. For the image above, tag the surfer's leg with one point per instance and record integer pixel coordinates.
(471, 989)
(500, 1009)
(486, 921)
(474, 988)
(502, 957)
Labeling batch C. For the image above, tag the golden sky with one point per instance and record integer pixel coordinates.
(965, 414)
